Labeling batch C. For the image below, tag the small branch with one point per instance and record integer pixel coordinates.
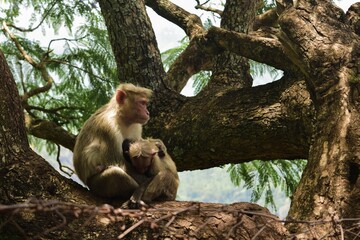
(40, 66)
(65, 39)
(131, 228)
(62, 167)
(19, 47)
(52, 110)
(79, 68)
(47, 12)
(208, 9)
(190, 23)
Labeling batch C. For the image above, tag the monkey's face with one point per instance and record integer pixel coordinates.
(142, 153)
(142, 164)
(142, 112)
(133, 107)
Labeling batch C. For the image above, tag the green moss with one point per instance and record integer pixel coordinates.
(354, 78)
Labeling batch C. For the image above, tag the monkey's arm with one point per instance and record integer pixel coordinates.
(134, 201)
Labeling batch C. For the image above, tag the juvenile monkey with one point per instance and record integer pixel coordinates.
(98, 156)
(150, 157)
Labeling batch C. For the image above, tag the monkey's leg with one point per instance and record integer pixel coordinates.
(163, 187)
(134, 201)
(112, 182)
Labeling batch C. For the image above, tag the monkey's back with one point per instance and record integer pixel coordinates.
(97, 145)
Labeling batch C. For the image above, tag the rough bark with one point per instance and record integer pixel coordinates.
(332, 174)
(312, 112)
(315, 44)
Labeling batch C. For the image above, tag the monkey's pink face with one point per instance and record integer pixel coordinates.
(142, 112)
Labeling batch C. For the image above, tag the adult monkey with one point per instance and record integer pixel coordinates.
(150, 158)
(98, 157)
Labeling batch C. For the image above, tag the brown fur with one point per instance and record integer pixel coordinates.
(164, 179)
(98, 157)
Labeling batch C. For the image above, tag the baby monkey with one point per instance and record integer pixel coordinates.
(149, 157)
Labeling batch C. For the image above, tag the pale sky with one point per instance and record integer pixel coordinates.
(168, 34)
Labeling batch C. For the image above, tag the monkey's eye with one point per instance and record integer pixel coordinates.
(143, 102)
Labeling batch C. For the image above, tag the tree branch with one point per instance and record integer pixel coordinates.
(47, 12)
(190, 23)
(192, 60)
(250, 119)
(209, 9)
(22, 51)
(266, 19)
(39, 66)
(262, 46)
(50, 131)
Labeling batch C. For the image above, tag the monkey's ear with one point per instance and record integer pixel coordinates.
(120, 96)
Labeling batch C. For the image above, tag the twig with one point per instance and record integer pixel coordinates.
(131, 228)
(47, 12)
(62, 167)
(258, 233)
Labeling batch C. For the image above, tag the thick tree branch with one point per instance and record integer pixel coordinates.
(262, 46)
(50, 131)
(190, 23)
(265, 122)
(266, 19)
(192, 60)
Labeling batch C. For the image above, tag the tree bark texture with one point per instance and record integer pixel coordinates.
(312, 112)
(316, 119)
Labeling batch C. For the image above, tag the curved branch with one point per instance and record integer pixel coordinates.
(27, 57)
(190, 23)
(272, 121)
(50, 131)
(60, 61)
(65, 39)
(208, 9)
(40, 66)
(262, 46)
(266, 19)
(47, 12)
(192, 60)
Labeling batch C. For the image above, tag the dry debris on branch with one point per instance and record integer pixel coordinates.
(172, 220)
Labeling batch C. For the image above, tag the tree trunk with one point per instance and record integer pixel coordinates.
(330, 186)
